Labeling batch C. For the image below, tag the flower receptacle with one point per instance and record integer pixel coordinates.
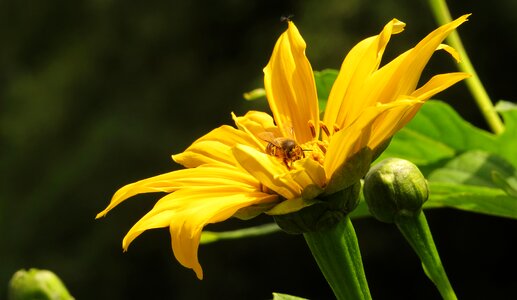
(324, 214)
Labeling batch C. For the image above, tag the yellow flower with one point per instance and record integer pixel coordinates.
(278, 164)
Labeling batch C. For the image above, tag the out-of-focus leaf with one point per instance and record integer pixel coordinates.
(478, 199)
(507, 184)
(210, 236)
(507, 141)
(279, 296)
(256, 94)
(467, 182)
(324, 81)
(473, 168)
(503, 106)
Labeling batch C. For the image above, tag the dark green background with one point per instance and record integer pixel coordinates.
(96, 94)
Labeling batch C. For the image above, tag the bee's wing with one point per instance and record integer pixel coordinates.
(268, 137)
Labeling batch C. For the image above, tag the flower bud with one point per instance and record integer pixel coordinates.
(326, 212)
(395, 187)
(37, 284)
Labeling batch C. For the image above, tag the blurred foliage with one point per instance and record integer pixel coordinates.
(95, 94)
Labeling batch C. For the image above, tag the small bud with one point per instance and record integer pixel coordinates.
(37, 284)
(395, 187)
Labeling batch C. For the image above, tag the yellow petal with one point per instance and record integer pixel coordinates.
(254, 123)
(268, 170)
(451, 51)
(359, 64)
(348, 141)
(209, 175)
(214, 147)
(290, 87)
(309, 172)
(400, 77)
(187, 211)
(392, 120)
(437, 84)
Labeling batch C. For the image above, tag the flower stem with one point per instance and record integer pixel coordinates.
(337, 253)
(417, 233)
(443, 16)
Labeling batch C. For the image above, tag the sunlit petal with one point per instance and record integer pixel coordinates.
(290, 87)
(437, 84)
(401, 76)
(214, 147)
(208, 175)
(187, 211)
(268, 170)
(359, 64)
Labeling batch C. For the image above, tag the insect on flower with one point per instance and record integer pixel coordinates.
(284, 148)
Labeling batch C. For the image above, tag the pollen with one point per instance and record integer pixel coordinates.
(312, 128)
(324, 128)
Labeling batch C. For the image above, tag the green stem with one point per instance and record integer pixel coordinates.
(417, 233)
(443, 16)
(337, 253)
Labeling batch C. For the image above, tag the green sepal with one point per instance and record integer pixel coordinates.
(350, 172)
(324, 213)
(291, 206)
(252, 211)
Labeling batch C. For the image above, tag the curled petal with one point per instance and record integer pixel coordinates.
(255, 123)
(451, 51)
(187, 211)
(437, 84)
(290, 87)
(400, 76)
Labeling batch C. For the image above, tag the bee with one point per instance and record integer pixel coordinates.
(284, 148)
(286, 18)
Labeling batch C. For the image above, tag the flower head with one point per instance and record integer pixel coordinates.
(279, 164)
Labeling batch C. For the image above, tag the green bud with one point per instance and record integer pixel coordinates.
(37, 284)
(326, 212)
(395, 187)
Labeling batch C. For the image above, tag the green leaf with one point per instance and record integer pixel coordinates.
(484, 200)
(279, 296)
(208, 237)
(507, 141)
(509, 185)
(476, 181)
(474, 168)
(324, 81)
(477, 199)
